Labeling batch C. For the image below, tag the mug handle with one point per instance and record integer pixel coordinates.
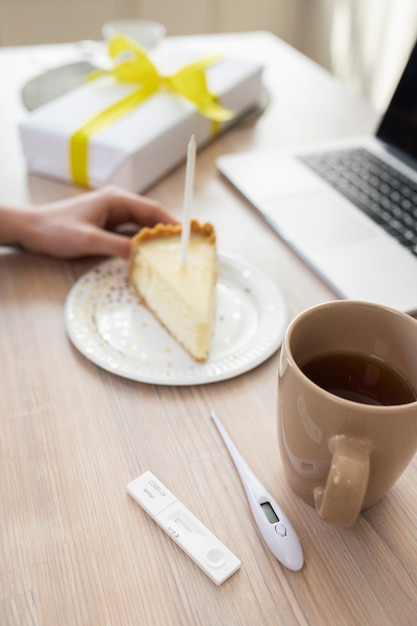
(340, 501)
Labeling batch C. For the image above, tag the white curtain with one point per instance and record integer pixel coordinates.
(370, 43)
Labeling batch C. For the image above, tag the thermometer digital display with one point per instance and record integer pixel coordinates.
(270, 514)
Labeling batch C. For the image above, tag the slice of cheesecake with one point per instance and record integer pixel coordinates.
(181, 297)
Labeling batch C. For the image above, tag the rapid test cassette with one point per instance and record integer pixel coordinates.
(208, 552)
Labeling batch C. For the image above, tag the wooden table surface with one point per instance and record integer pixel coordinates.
(75, 549)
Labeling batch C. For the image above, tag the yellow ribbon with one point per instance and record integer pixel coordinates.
(132, 64)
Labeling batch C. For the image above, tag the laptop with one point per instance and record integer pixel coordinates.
(348, 208)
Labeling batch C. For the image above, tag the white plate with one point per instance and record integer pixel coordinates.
(107, 323)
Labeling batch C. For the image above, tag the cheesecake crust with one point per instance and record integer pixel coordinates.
(170, 230)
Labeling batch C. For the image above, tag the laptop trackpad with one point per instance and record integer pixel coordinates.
(315, 220)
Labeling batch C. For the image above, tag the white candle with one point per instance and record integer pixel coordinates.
(188, 197)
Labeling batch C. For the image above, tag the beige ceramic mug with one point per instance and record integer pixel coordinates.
(347, 405)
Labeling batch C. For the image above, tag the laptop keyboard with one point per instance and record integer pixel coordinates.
(384, 194)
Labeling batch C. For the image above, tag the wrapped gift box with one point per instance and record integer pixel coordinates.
(141, 147)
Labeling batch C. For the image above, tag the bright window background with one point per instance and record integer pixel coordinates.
(364, 42)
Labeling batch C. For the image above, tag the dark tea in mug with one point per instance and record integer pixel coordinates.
(360, 378)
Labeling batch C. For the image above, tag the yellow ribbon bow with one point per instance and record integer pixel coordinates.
(132, 64)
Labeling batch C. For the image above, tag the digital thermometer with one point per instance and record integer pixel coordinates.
(273, 524)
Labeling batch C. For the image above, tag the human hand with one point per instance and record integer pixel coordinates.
(87, 224)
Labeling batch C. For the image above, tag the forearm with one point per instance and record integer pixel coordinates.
(15, 223)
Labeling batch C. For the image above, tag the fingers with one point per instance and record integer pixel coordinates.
(108, 243)
(123, 206)
(95, 223)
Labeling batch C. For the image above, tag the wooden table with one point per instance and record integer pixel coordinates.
(75, 549)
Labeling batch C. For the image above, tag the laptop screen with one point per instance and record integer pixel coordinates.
(398, 127)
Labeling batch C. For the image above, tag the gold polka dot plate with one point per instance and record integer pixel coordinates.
(107, 323)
